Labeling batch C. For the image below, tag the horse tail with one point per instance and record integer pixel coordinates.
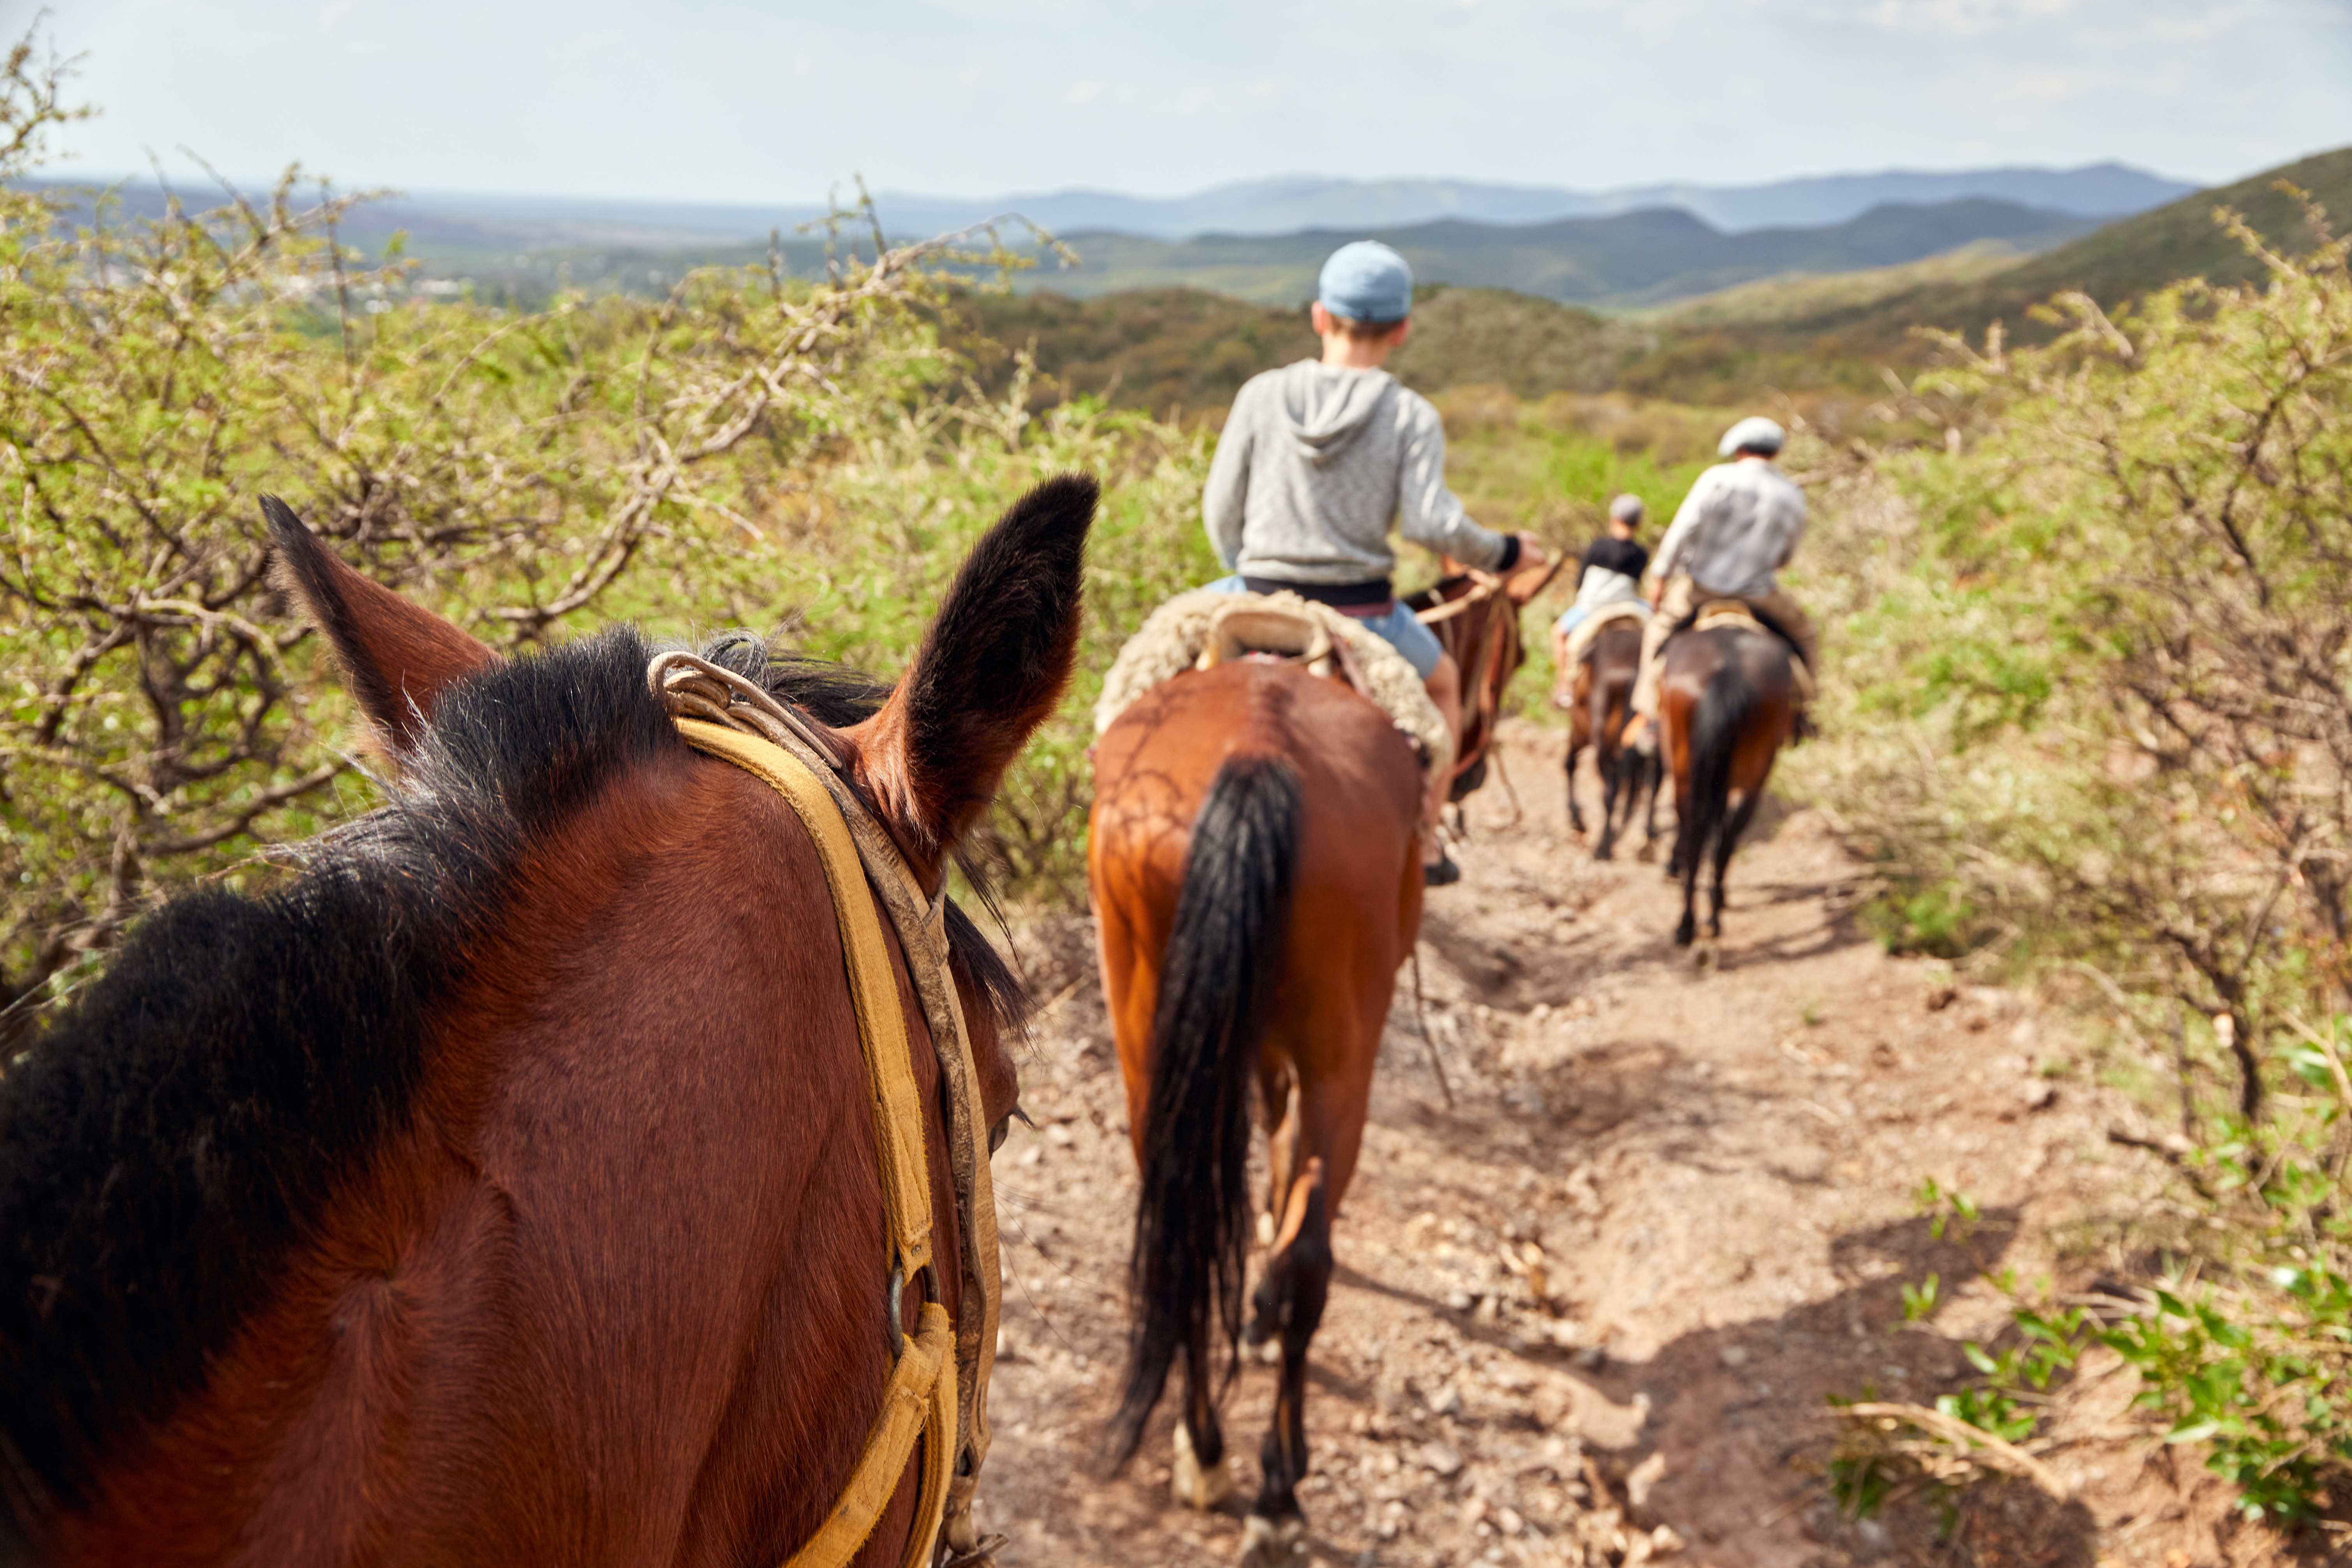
(1217, 980)
(1730, 702)
(1597, 705)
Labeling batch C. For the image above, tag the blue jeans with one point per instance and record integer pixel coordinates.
(1400, 626)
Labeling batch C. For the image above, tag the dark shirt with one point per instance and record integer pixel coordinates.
(1612, 553)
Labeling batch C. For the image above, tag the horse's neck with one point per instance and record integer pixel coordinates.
(605, 1293)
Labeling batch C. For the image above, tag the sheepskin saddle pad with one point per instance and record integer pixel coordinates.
(1207, 627)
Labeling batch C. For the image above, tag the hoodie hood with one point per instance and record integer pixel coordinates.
(1324, 407)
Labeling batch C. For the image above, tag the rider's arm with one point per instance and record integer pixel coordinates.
(1223, 501)
(1427, 512)
(1685, 524)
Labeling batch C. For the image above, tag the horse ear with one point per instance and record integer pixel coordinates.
(397, 656)
(991, 669)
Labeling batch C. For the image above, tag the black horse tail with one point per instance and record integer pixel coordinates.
(1217, 980)
(1724, 709)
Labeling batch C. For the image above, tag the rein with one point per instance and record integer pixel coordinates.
(932, 1394)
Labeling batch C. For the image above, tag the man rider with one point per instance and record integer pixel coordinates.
(1738, 525)
(1316, 460)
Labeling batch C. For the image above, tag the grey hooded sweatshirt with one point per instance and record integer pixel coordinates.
(1315, 462)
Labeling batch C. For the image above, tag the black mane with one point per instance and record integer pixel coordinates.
(172, 1134)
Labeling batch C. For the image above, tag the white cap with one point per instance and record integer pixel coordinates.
(1626, 508)
(1755, 432)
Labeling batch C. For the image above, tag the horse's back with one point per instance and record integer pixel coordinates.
(1357, 773)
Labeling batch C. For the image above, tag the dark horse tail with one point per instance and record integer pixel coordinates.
(1217, 980)
(1725, 708)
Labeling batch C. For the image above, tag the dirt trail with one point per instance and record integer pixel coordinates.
(1718, 1169)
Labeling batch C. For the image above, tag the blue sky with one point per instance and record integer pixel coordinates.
(725, 101)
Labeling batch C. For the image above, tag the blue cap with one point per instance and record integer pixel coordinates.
(1366, 281)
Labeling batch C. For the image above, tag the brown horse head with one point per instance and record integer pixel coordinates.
(1476, 622)
(503, 1187)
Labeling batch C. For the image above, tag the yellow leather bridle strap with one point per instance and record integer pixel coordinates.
(919, 1402)
(873, 984)
(920, 1398)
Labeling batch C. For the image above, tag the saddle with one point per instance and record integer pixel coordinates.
(1740, 615)
(1588, 631)
(1252, 627)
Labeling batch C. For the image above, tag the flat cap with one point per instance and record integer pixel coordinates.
(1755, 433)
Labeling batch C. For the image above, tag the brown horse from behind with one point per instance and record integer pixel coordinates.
(1727, 698)
(1601, 704)
(504, 1189)
(1255, 866)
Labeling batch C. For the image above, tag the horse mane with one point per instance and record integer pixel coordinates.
(177, 1129)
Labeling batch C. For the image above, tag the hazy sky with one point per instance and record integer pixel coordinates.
(729, 101)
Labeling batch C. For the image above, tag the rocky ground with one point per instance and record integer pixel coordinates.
(1592, 1310)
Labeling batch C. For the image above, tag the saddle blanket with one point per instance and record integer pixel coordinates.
(1181, 631)
(1735, 612)
(1580, 636)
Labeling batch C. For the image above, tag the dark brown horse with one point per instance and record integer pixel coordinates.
(1727, 698)
(1476, 618)
(1600, 702)
(1255, 866)
(503, 1189)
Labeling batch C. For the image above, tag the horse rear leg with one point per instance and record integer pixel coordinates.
(1297, 1286)
(1613, 780)
(1726, 839)
(1202, 1475)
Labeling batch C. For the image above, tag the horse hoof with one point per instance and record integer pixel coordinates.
(1193, 1487)
(1646, 853)
(1270, 1542)
(1270, 1352)
(1703, 956)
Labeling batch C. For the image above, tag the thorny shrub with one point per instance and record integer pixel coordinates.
(749, 450)
(2092, 719)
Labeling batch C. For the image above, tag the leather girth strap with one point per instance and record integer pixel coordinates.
(939, 1384)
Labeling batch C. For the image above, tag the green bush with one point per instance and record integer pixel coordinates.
(2091, 716)
(748, 450)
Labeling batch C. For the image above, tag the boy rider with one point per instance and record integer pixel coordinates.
(1320, 457)
(1738, 525)
(1608, 574)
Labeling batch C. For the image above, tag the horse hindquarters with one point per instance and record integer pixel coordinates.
(1217, 979)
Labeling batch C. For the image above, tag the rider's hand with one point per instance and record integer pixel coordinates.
(1532, 552)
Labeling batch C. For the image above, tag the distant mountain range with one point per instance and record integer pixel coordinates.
(1257, 207)
(1633, 258)
(1288, 206)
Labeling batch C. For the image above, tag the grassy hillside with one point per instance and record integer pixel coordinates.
(1631, 258)
(1169, 352)
(1183, 352)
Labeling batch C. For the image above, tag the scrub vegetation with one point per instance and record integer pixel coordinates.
(2090, 715)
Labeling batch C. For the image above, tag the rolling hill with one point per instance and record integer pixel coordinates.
(2113, 265)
